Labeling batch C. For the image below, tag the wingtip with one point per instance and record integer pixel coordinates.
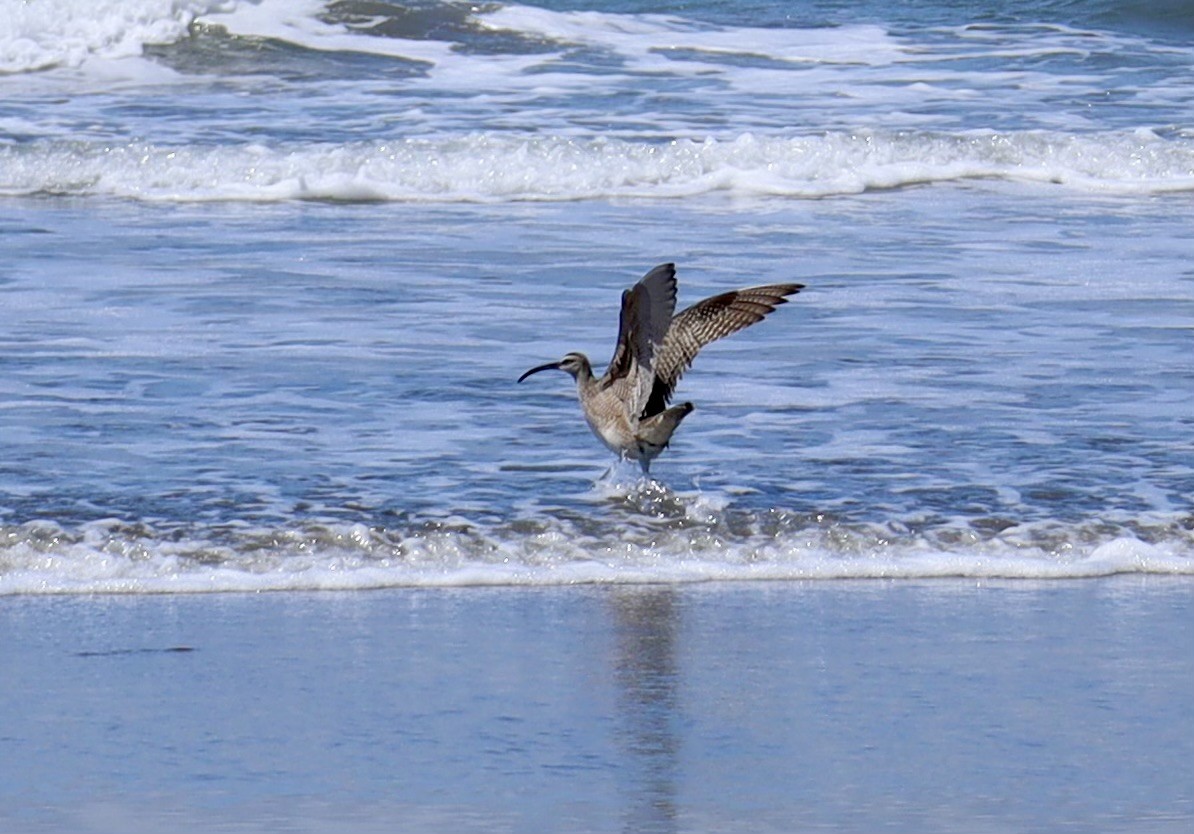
(782, 291)
(666, 269)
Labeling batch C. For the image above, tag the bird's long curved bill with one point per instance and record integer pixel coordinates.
(550, 366)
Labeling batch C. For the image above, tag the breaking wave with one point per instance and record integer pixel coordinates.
(506, 168)
(648, 535)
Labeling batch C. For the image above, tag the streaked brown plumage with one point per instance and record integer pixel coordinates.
(627, 407)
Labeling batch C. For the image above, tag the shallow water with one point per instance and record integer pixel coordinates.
(305, 396)
(271, 270)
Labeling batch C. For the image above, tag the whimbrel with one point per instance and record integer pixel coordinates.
(627, 407)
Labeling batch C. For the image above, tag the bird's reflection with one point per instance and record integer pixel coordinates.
(645, 625)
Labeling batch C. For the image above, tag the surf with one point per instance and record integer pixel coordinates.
(503, 168)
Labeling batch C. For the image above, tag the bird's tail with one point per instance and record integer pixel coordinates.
(656, 431)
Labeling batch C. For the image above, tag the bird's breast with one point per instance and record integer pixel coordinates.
(606, 416)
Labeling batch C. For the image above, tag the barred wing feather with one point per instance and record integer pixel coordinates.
(705, 322)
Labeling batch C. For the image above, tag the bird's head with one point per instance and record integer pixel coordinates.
(576, 364)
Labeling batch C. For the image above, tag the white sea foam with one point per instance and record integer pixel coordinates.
(54, 33)
(73, 33)
(112, 557)
(652, 41)
(503, 168)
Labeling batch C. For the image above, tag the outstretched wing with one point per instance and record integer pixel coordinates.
(705, 322)
(646, 318)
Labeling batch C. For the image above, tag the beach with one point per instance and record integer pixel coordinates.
(842, 706)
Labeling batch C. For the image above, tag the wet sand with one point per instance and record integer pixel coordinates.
(825, 706)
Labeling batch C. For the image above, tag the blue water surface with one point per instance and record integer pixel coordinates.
(919, 561)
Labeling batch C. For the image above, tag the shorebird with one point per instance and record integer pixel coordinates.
(627, 406)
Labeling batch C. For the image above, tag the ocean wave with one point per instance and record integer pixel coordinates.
(68, 33)
(510, 168)
(649, 535)
(52, 34)
(652, 40)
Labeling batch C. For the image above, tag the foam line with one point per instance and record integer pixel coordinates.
(105, 557)
(503, 168)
